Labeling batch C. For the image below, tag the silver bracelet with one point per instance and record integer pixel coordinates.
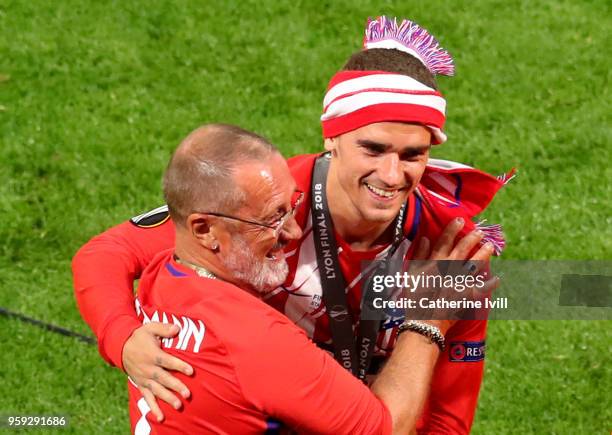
(426, 330)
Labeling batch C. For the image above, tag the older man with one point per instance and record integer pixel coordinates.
(382, 113)
(233, 200)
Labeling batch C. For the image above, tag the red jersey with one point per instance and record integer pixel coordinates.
(250, 364)
(447, 190)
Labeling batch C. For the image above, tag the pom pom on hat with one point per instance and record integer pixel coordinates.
(410, 38)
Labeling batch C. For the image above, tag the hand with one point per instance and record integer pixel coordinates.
(146, 364)
(446, 249)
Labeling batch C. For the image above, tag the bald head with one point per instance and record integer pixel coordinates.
(200, 175)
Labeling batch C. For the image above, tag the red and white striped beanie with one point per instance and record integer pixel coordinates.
(357, 98)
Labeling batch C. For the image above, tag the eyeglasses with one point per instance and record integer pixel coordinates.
(296, 200)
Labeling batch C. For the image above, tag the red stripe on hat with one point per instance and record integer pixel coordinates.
(386, 112)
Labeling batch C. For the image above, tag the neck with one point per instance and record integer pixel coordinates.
(201, 271)
(349, 223)
(191, 255)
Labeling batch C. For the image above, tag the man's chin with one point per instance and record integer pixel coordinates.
(272, 274)
(381, 211)
(379, 215)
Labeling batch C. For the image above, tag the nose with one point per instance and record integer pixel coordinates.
(291, 230)
(390, 170)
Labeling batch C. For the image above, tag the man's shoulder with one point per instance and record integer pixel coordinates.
(239, 321)
(169, 285)
(175, 285)
(152, 218)
(302, 160)
(151, 272)
(224, 306)
(301, 167)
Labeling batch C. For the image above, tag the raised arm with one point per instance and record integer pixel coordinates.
(405, 382)
(104, 270)
(307, 389)
(456, 380)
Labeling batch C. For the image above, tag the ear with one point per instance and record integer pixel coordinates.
(331, 144)
(201, 227)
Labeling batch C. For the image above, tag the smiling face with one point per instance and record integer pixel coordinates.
(253, 254)
(374, 169)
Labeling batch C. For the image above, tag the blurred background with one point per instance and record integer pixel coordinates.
(95, 95)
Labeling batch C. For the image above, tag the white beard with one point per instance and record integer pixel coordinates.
(262, 275)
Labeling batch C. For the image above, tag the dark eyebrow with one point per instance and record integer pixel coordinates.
(415, 151)
(373, 145)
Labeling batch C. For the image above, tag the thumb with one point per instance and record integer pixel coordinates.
(162, 329)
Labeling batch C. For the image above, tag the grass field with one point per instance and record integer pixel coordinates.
(95, 95)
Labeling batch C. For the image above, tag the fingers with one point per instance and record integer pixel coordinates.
(161, 392)
(466, 245)
(150, 399)
(490, 285)
(161, 329)
(146, 363)
(484, 291)
(166, 379)
(446, 241)
(172, 363)
(484, 253)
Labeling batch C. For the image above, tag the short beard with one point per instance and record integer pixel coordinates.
(260, 275)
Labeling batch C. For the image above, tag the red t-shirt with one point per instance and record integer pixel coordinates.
(447, 190)
(250, 364)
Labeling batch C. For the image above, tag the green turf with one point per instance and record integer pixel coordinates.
(95, 95)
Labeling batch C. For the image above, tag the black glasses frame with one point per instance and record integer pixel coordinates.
(276, 227)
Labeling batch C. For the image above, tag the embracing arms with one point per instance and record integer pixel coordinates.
(104, 270)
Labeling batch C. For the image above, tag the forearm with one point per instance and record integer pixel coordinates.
(456, 382)
(104, 295)
(403, 384)
(104, 270)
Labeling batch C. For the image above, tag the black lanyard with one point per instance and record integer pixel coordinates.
(353, 356)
